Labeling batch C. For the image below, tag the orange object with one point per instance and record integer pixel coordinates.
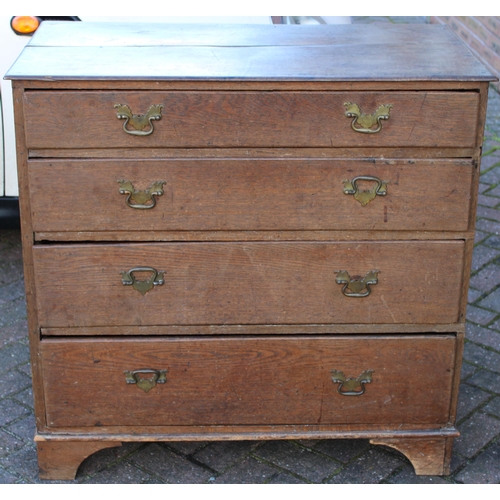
(25, 25)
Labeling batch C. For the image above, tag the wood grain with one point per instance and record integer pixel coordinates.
(353, 53)
(429, 456)
(177, 236)
(250, 119)
(243, 195)
(273, 380)
(255, 85)
(253, 146)
(304, 329)
(260, 153)
(59, 460)
(27, 248)
(248, 283)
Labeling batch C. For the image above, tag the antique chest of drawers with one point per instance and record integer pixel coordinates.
(251, 232)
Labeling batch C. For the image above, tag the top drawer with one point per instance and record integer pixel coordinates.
(73, 119)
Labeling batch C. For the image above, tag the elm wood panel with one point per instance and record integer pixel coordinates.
(270, 380)
(70, 119)
(367, 53)
(248, 283)
(251, 195)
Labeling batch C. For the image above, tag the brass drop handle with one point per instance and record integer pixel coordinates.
(138, 122)
(146, 384)
(365, 123)
(142, 200)
(142, 286)
(364, 196)
(353, 287)
(349, 386)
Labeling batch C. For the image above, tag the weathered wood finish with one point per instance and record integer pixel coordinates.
(251, 119)
(228, 381)
(429, 456)
(141, 236)
(303, 329)
(250, 283)
(286, 53)
(267, 153)
(248, 195)
(253, 146)
(59, 460)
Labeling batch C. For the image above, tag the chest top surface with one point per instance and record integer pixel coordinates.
(134, 51)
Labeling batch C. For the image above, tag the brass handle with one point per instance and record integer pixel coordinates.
(366, 195)
(142, 200)
(353, 287)
(142, 286)
(146, 384)
(365, 123)
(138, 122)
(351, 384)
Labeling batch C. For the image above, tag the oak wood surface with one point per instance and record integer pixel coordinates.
(143, 236)
(282, 380)
(140, 433)
(261, 153)
(304, 329)
(248, 283)
(368, 52)
(256, 116)
(27, 238)
(456, 378)
(251, 195)
(250, 119)
(429, 456)
(257, 85)
(59, 460)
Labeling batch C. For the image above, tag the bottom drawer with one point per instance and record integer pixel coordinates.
(403, 379)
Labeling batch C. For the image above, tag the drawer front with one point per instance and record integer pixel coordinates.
(299, 194)
(212, 381)
(248, 283)
(250, 119)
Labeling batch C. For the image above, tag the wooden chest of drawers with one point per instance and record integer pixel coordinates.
(253, 233)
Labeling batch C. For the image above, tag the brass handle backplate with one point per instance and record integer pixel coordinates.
(365, 123)
(141, 200)
(146, 384)
(364, 196)
(138, 122)
(142, 286)
(351, 386)
(353, 287)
